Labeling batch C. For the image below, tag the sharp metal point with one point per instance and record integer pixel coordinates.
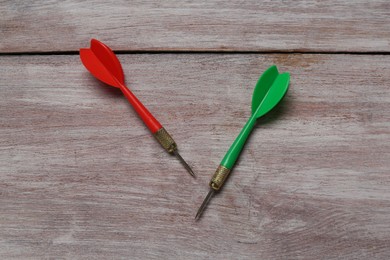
(190, 171)
(204, 204)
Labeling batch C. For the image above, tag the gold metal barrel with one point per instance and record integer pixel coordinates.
(219, 177)
(165, 140)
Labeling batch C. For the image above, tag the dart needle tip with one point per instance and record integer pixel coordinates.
(190, 171)
(204, 204)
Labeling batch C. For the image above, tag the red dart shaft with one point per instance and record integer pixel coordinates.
(149, 120)
(162, 136)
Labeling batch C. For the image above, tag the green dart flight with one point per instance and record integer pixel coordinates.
(269, 90)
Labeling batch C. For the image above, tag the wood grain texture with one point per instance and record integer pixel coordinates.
(81, 178)
(253, 25)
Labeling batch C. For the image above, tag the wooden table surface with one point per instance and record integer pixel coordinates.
(82, 178)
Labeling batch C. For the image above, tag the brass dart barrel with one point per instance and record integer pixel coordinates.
(215, 184)
(166, 141)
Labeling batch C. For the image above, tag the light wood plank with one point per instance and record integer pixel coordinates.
(80, 177)
(315, 25)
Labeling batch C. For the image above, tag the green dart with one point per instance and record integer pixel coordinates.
(269, 90)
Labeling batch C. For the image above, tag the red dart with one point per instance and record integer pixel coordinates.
(102, 62)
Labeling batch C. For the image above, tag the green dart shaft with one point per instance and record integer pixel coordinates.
(234, 151)
(269, 90)
(227, 163)
(232, 155)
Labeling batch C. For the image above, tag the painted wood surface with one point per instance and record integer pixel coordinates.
(81, 177)
(253, 25)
